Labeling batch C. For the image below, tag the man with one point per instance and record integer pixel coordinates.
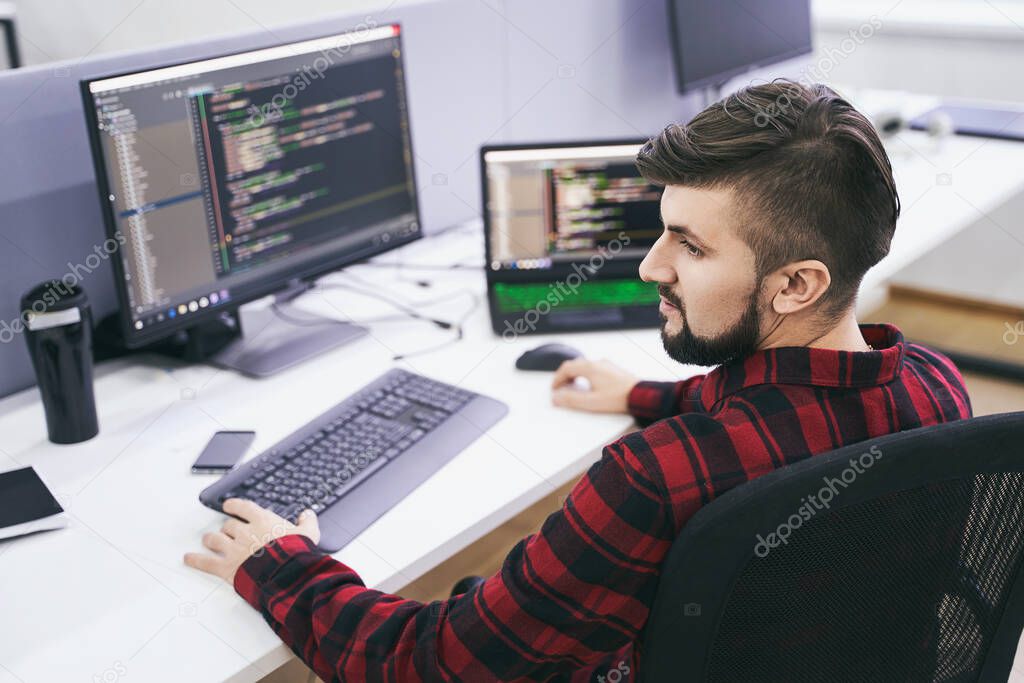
(777, 200)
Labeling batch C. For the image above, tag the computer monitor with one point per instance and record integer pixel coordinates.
(229, 178)
(566, 226)
(714, 41)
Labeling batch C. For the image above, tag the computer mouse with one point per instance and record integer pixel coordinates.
(546, 357)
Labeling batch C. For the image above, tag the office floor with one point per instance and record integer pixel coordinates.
(964, 326)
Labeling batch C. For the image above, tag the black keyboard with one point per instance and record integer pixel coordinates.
(358, 459)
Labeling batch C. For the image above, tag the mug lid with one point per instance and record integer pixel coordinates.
(51, 304)
(51, 296)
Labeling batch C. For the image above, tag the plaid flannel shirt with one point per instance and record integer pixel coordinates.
(570, 601)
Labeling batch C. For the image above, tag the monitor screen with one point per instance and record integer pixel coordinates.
(227, 178)
(568, 224)
(714, 40)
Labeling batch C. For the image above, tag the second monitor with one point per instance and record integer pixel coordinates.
(566, 226)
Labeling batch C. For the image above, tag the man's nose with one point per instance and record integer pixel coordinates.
(656, 269)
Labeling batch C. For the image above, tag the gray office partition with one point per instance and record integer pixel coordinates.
(478, 71)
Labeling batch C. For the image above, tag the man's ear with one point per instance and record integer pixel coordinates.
(798, 285)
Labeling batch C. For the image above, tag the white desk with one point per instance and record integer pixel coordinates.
(944, 185)
(109, 596)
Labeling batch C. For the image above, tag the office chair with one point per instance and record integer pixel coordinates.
(906, 566)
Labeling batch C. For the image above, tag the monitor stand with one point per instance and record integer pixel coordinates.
(272, 342)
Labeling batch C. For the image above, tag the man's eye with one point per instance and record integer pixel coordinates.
(689, 247)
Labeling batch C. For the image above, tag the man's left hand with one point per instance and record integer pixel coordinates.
(239, 539)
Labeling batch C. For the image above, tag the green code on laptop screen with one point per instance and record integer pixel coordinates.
(519, 297)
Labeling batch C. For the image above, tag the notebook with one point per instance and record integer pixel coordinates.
(28, 506)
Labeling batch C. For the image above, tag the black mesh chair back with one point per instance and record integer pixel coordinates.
(894, 559)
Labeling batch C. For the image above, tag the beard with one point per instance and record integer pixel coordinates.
(685, 347)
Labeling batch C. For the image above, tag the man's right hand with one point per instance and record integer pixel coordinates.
(609, 386)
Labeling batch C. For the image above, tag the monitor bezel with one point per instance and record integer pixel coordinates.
(684, 86)
(133, 338)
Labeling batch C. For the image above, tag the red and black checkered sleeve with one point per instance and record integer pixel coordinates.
(572, 597)
(653, 401)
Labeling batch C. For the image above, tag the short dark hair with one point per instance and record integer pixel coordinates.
(809, 170)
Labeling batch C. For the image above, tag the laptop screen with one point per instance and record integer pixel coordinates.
(566, 227)
(550, 205)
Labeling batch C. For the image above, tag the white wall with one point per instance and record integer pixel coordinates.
(969, 48)
(71, 29)
(951, 48)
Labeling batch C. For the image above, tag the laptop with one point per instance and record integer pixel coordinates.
(566, 226)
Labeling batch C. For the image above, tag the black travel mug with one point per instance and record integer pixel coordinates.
(58, 329)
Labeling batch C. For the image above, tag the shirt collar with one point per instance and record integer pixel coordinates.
(810, 366)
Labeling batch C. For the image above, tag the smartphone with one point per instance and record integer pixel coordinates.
(223, 452)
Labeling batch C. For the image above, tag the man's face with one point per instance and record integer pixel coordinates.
(706, 276)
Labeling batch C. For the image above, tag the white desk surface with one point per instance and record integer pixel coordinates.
(109, 596)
